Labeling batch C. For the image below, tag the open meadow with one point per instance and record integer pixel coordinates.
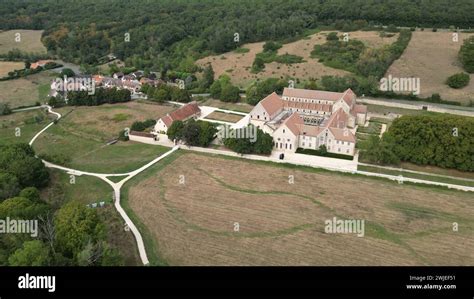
(237, 65)
(26, 91)
(28, 41)
(80, 138)
(433, 57)
(9, 66)
(192, 203)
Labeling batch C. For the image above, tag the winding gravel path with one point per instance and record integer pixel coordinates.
(103, 176)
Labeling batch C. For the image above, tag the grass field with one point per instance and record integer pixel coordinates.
(433, 57)
(239, 107)
(30, 41)
(8, 66)
(103, 123)
(222, 116)
(82, 134)
(26, 91)
(417, 175)
(378, 109)
(283, 224)
(239, 64)
(86, 190)
(28, 122)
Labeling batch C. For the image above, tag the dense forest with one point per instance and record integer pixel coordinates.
(173, 33)
(439, 140)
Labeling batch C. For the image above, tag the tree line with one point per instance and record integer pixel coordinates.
(440, 140)
(100, 96)
(169, 34)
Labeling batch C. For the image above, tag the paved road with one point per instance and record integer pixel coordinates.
(415, 105)
(115, 186)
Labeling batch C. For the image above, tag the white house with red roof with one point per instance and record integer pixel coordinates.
(308, 119)
(190, 110)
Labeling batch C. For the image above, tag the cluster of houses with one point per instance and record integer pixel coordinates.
(308, 119)
(132, 82)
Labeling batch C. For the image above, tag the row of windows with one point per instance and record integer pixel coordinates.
(311, 111)
(280, 145)
(309, 101)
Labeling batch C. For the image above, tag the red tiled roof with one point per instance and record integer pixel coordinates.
(167, 120)
(294, 122)
(360, 109)
(182, 113)
(349, 96)
(312, 94)
(343, 134)
(338, 119)
(272, 103)
(314, 131)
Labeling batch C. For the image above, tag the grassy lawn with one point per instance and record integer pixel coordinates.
(438, 170)
(28, 122)
(79, 139)
(416, 175)
(8, 66)
(30, 41)
(95, 156)
(373, 128)
(26, 91)
(87, 190)
(385, 110)
(239, 107)
(222, 116)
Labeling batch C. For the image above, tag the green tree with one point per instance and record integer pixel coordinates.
(332, 36)
(459, 80)
(162, 95)
(191, 133)
(76, 226)
(32, 253)
(67, 72)
(230, 93)
(207, 133)
(31, 193)
(216, 90)
(208, 76)
(9, 185)
(466, 54)
(175, 131)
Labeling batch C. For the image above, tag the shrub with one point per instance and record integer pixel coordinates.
(459, 80)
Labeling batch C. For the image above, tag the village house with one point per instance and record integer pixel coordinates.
(40, 63)
(308, 119)
(190, 110)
